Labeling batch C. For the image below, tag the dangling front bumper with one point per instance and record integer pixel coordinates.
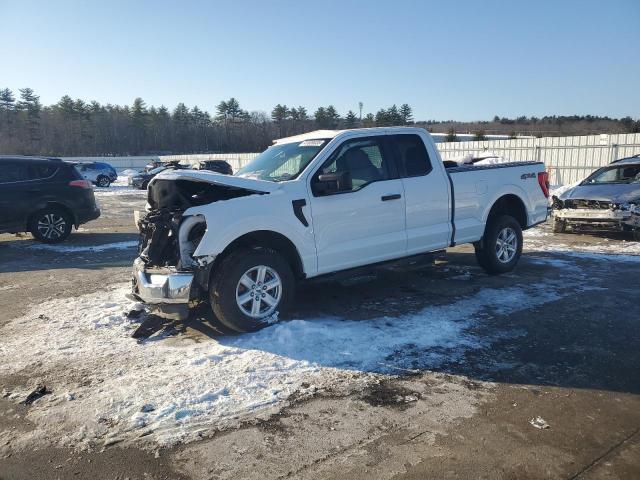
(161, 286)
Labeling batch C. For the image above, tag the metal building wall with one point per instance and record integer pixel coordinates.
(568, 159)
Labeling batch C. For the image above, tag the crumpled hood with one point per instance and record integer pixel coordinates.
(615, 193)
(219, 179)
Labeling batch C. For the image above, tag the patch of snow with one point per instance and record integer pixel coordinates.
(63, 248)
(108, 388)
(541, 240)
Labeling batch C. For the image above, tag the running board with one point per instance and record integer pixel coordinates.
(419, 260)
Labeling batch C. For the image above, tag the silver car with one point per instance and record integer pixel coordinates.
(609, 199)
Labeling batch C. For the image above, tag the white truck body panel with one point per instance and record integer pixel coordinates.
(347, 230)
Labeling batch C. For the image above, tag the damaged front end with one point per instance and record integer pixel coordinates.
(597, 214)
(166, 275)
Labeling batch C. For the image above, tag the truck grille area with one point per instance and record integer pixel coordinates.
(158, 245)
(591, 204)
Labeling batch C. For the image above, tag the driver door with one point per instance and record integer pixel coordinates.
(365, 222)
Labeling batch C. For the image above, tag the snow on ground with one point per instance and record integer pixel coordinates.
(107, 387)
(539, 239)
(65, 248)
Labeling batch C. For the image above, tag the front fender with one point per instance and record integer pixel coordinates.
(231, 219)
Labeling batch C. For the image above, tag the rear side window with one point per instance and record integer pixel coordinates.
(39, 171)
(413, 159)
(11, 172)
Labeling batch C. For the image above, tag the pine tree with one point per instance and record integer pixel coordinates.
(406, 114)
(30, 104)
(351, 120)
(320, 116)
(332, 117)
(369, 120)
(279, 114)
(7, 112)
(302, 114)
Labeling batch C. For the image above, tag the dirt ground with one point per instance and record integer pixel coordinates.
(572, 360)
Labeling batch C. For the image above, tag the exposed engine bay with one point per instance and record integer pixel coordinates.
(167, 239)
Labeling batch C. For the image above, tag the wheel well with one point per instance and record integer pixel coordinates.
(267, 239)
(54, 205)
(510, 205)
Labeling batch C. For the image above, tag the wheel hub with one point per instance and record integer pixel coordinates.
(506, 245)
(51, 226)
(259, 291)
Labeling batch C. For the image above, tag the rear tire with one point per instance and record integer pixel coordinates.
(249, 287)
(51, 225)
(501, 246)
(559, 226)
(103, 181)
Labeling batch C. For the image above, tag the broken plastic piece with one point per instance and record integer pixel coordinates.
(539, 422)
(40, 391)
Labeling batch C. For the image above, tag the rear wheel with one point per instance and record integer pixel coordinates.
(103, 181)
(250, 287)
(501, 245)
(559, 226)
(51, 225)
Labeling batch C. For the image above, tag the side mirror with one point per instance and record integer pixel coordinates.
(329, 183)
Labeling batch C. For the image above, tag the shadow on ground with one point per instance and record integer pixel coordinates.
(584, 339)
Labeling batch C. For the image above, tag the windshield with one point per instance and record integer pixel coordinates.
(619, 174)
(157, 170)
(282, 162)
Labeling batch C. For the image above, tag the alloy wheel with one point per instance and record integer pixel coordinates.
(506, 245)
(259, 291)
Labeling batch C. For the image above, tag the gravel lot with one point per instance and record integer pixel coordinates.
(435, 371)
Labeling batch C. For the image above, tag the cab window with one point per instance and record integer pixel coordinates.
(363, 159)
(411, 154)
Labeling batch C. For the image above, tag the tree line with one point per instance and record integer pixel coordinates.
(78, 128)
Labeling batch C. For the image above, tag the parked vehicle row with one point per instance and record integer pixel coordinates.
(141, 180)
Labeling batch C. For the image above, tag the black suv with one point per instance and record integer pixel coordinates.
(44, 196)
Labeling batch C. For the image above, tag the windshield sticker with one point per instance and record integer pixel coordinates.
(311, 143)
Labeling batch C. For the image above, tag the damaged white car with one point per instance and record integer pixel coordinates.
(607, 199)
(321, 203)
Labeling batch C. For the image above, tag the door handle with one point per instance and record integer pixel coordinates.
(395, 196)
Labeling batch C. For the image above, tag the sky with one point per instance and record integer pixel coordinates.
(461, 60)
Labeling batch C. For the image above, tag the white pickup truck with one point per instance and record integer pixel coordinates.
(320, 203)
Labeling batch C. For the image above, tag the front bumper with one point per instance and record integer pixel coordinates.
(156, 286)
(610, 218)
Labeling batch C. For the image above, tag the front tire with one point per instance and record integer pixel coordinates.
(51, 225)
(250, 287)
(103, 181)
(501, 246)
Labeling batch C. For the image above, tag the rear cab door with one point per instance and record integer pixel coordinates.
(427, 192)
(367, 223)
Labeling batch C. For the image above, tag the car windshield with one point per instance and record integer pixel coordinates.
(157, 170)
(619, 174)
(282, 162)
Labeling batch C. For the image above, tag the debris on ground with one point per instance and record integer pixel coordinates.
(149, 326)
(40, 391)
(539, 422)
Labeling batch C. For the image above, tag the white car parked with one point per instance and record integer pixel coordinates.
(321, 203)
